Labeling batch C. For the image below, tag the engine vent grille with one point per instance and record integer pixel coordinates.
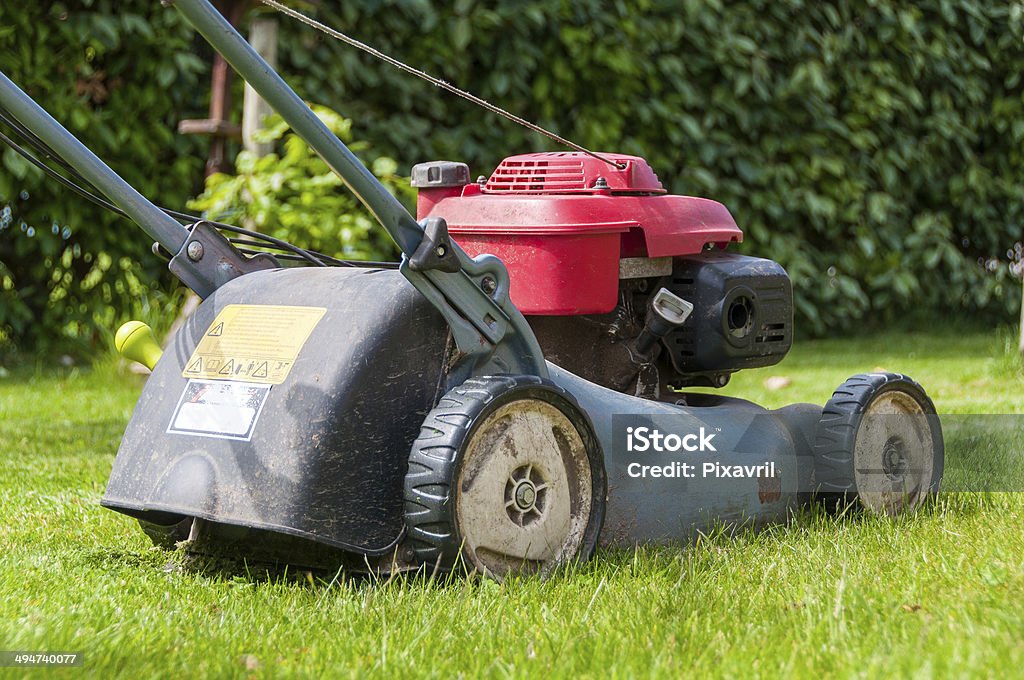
(553, 173)
(571, 172)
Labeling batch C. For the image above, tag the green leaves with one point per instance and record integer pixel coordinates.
(119, 75)
(295, 196)
(884, 137)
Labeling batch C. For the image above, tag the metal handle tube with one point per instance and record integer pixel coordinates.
(158, 225)
(250, 65)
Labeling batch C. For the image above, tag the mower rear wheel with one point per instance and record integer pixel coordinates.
(879, 443)
(508, 476)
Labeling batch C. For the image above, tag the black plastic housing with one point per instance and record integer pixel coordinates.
(329, 452)
(742, 318)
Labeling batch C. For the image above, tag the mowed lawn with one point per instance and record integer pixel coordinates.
(938, 593)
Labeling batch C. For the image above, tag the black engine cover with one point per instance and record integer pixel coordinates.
(742, 316)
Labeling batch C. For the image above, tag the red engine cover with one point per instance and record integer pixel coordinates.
(562, 221)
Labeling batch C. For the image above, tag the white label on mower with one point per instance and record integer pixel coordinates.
(223, 409)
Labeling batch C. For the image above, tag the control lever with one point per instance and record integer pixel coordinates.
(666, 312)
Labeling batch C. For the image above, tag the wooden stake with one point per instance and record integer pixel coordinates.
(263, 38)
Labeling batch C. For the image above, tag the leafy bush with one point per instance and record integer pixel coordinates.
(119, 75)
(295, 196)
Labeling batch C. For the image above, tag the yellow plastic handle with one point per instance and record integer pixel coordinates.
(135, 342)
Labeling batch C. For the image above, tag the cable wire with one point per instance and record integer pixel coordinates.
(348, 40)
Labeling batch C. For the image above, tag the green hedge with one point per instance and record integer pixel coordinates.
(876, 149)
(119, 75)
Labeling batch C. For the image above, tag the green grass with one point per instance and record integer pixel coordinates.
(937, 593)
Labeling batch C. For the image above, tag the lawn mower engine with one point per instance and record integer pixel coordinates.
(588, 246)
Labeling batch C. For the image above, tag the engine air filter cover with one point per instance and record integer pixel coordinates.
(743, 313)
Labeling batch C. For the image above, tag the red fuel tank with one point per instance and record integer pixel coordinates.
(566, 224)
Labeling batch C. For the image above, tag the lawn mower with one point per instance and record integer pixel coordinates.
(519, 389)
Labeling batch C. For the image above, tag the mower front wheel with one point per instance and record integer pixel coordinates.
(879, 443)
(506, 475)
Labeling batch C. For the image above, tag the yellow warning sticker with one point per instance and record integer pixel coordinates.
(256, 343)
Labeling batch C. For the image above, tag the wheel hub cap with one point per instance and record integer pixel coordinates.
(524, 495)
(524, 490)
(895, 463)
